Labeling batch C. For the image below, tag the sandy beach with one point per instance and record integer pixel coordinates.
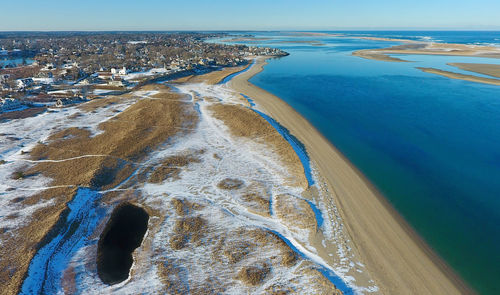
(395, 256)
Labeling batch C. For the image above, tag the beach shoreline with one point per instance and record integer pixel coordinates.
(397, 258)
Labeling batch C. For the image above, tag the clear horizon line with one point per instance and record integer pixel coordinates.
(255, 30)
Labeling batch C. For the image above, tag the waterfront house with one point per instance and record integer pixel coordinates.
(62, 102)
(9, 104)
(123, 71)
(4, 78)
(105, 75)
(24, 83)
(117, 82)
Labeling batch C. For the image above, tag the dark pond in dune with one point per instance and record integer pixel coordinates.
(121, 236)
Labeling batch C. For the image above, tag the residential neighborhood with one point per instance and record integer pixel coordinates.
(54, 69)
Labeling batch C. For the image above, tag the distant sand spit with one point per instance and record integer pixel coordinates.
(485, 69)
(459, 76)
(396, 257)
(412, 47)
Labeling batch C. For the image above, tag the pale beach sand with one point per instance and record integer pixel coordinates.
(212, 77)
(485, 69)
(458, 76)
(394, 255)
(308, 34)
(426, 48)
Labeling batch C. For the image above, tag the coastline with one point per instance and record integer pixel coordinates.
(396, 257)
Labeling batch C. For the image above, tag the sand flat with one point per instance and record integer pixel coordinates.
(398, 260)
(459, 76)
(428, 49)
(485, 69)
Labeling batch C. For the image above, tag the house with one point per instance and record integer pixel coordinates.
(84, 82)
(70, 65)
(105, 75)
(62, 102)
(117, 81)
(123, 71)
(4, 78)
(48, 67)
(9, 104)
(23, 83)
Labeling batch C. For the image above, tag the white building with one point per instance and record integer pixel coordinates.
(4, 78)
(23, 83)
(62, 102)
(123, 71)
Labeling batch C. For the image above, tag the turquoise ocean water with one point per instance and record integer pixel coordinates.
(430, 144)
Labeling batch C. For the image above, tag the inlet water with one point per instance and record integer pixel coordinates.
(430, 144)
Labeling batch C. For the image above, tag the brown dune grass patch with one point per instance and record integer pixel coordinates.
(187, 229)
(128, 138)
(103, 102)
(320, 283)
(288, 256)
(183, 79)
(249, 243)
(171, 167)
(257, 202)
(211, 78)
(173, 280)
(109, 87)
(26, 113)
(227, 251)
(75, 115)
(184, 207)
(230, 184)
(244, 122)
(295, 212)
(171, 277)
(236, 251)
(253, 275)
(19, 245)
(153, 87)
(279, 290)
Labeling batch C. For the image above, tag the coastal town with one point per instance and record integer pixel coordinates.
(59, 69)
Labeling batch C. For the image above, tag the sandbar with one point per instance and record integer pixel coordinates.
(485, 69)
(459, 76)
(428, 49)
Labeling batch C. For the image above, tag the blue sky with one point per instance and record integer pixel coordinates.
(248, 15)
